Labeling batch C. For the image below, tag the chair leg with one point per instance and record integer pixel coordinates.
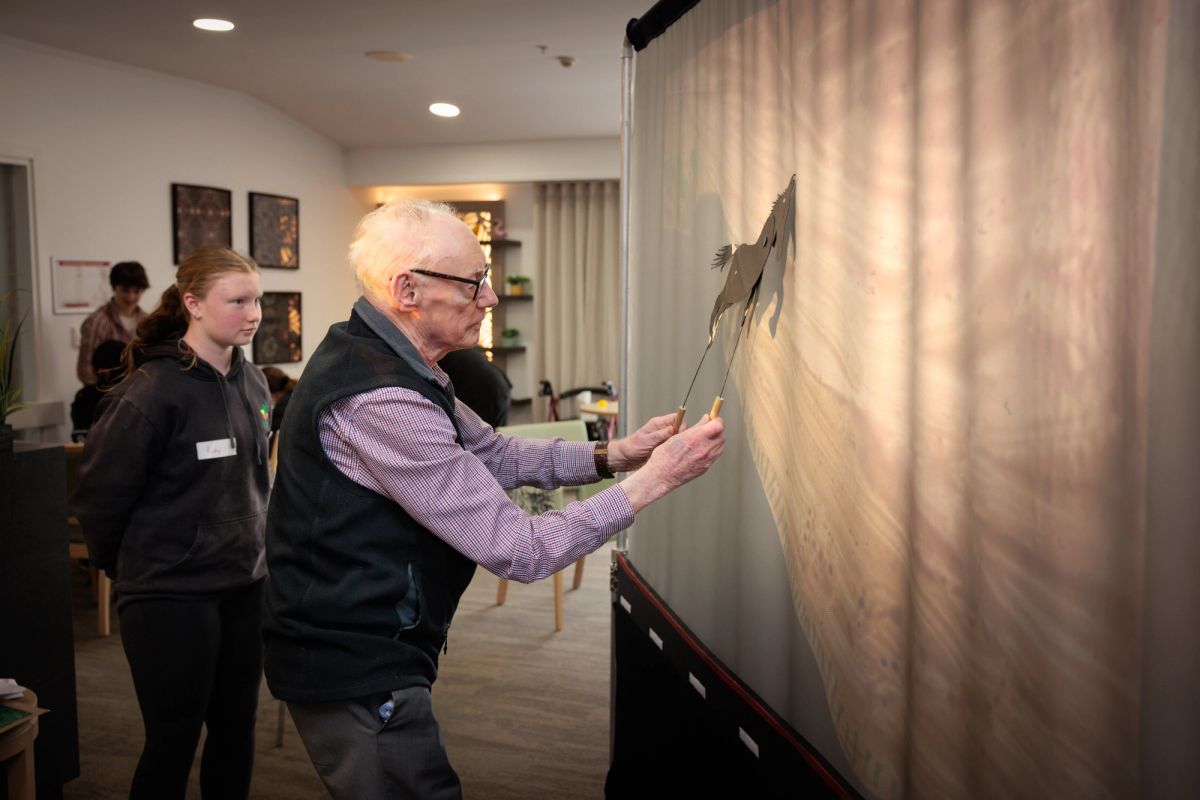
(103, 604)
(558, 603)
(578, 579)
(501, 592)
(279, 725)
(21, 783)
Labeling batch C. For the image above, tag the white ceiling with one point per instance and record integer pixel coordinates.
(306, 58)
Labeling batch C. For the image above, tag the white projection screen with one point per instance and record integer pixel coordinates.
(952, 540)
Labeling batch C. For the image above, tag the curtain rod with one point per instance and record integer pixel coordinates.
(662, 15)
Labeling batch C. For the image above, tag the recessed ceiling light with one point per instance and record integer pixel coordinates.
(444, 109)
(391, 56)
(213, 24)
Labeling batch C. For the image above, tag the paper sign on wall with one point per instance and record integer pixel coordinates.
(80, 284)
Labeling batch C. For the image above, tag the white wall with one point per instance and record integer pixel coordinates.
(511, 162)
(106, 142)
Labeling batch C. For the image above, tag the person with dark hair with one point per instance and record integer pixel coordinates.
(172, 499)
(106, 365)
(117, 319)
(480, 384)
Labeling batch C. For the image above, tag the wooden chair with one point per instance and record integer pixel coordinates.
(536, 501)
(273, 456)
(77, 547)
(273, 468)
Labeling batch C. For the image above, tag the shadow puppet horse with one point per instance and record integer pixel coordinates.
(746, 263)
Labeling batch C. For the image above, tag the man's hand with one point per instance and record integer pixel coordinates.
(632, 451)
(682, 458)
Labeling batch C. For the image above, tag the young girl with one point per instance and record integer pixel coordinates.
(172, 498)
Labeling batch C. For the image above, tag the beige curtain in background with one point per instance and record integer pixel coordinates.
(952, 422)
(578, 283)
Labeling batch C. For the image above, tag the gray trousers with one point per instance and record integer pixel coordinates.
(360, 756)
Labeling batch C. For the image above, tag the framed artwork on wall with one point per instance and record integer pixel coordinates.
(275, 230)
(200, 215)
(278, 337)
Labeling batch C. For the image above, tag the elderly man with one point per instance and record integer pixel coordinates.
(388, 494)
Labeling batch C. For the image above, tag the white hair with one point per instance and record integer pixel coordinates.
(392, 239)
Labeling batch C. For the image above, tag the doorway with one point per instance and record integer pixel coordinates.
(17, 266)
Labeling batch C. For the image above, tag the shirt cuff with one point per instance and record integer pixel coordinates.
(611, 510)
(579, 463)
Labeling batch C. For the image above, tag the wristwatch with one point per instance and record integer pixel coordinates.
(601, 454)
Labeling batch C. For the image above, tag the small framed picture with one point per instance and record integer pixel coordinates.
(278, 337)
(275, 231)
(200, 215)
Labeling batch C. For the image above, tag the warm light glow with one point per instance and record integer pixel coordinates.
(213, 24)
(444, 109)
(486, 340)
(447, 191)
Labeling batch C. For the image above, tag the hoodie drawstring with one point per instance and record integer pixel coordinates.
(259, 455)
(225, 404)
(241, 390)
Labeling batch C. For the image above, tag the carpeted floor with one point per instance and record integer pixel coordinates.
(524, 710)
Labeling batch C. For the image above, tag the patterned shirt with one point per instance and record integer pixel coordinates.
(397, 443)
(101, 325)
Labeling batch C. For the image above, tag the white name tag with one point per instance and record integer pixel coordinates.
(217, 448)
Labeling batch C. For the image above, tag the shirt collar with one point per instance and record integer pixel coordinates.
(394, 338)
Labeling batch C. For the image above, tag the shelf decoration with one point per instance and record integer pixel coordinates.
(518, 284)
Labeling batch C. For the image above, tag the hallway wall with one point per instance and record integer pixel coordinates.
(106, 142)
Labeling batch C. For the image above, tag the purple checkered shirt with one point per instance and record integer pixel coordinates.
(397, 443)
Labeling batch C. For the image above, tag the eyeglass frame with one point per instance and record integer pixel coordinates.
(478, 284)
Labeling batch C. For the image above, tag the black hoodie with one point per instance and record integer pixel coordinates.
(166, 504)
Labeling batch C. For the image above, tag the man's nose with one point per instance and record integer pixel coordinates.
(487, 296)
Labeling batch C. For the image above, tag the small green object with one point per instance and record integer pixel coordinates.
(10, 715)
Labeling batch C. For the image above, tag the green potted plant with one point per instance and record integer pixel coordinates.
(10, 393)
(510, 337)
(518, 284)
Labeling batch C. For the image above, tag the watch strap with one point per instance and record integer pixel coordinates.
(601, 456)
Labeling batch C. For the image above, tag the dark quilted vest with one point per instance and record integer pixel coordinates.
(359, 595)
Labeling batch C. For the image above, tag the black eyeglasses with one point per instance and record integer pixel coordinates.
(476, 283)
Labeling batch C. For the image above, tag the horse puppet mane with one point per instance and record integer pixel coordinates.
(723, 255)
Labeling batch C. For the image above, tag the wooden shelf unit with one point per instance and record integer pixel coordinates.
(512, 310)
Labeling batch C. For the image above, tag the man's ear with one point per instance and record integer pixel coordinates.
(405, 296)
